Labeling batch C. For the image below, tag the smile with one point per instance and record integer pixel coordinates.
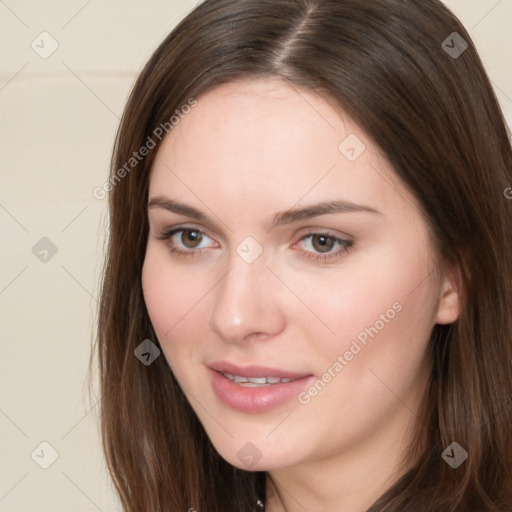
(255, 382)
(258, 389)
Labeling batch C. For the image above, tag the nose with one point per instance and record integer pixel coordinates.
(248, 304)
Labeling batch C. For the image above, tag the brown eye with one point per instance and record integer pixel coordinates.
(322, 243)
(191, 238)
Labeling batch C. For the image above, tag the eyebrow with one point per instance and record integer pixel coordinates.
(280, 219)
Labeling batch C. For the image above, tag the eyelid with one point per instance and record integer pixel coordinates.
(342, 238)
(345, 244)
(328, 232)
(168, 232)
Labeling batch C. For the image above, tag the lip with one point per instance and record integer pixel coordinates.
(254, 371)
(257, 399)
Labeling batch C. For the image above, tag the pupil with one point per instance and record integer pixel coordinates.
(190, 238)
(325, 243)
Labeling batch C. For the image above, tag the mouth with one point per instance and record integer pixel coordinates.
(255, 389)
(255, 373)
(256, 382)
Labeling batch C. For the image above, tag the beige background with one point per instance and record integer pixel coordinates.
(58, 117)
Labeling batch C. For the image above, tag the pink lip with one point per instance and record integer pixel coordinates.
(254, 371)
(256, 400)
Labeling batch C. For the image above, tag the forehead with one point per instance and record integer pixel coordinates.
(269, 140)
(261, 119)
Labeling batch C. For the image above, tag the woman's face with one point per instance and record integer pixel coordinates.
(295, 253)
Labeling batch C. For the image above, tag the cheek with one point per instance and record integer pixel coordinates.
(382, 310)
(172, 298)
(368, 293)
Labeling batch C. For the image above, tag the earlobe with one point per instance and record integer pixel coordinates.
(449, 301)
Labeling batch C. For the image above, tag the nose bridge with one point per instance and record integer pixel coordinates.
(243, 303)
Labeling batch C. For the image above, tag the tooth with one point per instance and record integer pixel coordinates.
(229, 376)
(237, 378)
(254, 385)
(273, 380)
(257, 380)
(286, 380)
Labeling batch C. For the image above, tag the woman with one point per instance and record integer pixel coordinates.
(306, 302)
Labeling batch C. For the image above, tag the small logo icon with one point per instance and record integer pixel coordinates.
(44, 45)
(454, 455)
(249, 249)
(508, 192)
(44, 455)
(147, 352)
(44, 250)
(454, 45)
(249, 455)
(351, 147)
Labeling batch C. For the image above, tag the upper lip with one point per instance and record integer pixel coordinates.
(254, 370)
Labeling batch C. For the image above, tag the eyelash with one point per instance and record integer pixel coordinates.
(345, 245)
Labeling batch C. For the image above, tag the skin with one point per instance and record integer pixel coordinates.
(249, 150)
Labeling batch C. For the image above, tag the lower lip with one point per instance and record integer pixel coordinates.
(256, 400)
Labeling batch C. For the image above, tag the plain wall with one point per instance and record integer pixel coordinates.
(58, 117)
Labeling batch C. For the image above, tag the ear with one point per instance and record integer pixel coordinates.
(449, 301)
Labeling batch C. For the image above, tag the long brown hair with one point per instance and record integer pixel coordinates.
(397, 68)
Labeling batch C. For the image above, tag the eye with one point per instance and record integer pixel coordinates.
(325, 247)
(185, 241)
(190, 241)
(190, 238)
